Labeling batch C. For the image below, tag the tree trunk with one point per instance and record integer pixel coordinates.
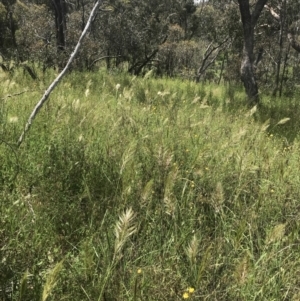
(247, 66)
(222, 68)
(60, 23)
(247, 70)
(284, 69)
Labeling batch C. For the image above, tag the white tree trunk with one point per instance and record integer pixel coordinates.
(60, 76)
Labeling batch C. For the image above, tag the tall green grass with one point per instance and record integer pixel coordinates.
(133, 188)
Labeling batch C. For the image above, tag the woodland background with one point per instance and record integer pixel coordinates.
(198, 41)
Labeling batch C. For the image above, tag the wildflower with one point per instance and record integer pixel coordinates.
(118, 86)
(139, 271)
(186, 295)
(191, 290)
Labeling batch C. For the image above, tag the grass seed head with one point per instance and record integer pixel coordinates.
(192, 250)
(124, 228)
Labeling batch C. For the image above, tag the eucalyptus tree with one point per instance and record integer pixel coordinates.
(249, 19)
(186, 18)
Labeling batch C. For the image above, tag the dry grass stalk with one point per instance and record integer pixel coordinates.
(168, 195)
(218, 197)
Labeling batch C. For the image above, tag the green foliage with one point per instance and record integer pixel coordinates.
(147, 189)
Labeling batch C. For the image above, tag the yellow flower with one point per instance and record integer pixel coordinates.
(191, 290)
(186, 295)
(139, 271)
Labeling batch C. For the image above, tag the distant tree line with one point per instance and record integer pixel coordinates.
(214, 40)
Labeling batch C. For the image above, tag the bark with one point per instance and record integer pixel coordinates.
(247, 66)
(60, 76)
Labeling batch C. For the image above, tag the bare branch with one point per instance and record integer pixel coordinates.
(273, 13)
(60, 76)
(207, 54)
(259, 6)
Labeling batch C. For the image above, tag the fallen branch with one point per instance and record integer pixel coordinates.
(60, 76)
(16, 94)
(102, 58)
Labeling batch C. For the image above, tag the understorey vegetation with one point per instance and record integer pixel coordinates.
(146, 188)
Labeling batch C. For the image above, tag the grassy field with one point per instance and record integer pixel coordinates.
(147, 189)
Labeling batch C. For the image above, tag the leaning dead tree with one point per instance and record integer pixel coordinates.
(209, 57)
(60, 76)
